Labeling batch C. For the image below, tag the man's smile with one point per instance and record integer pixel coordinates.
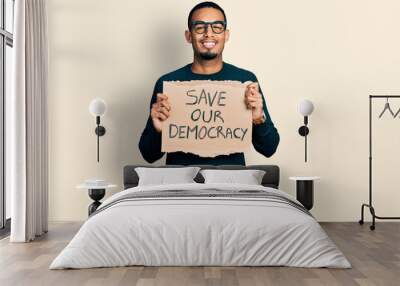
(209, 44)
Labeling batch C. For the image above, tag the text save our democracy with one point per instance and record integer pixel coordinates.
(211, 117)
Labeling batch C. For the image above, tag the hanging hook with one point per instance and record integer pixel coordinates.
(387, 107)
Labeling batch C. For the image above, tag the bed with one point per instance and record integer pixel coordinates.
(201, 224)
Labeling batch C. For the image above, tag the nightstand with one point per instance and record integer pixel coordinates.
(96, 192)
(305, 190)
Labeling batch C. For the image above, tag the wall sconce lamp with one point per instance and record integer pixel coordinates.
(97, 108)
(305, 108)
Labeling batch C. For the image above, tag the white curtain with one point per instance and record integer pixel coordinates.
(27, 125)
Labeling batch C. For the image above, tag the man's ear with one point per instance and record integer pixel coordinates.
(188, 37)
(227, 34)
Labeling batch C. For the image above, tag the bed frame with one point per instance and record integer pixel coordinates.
(270, 179)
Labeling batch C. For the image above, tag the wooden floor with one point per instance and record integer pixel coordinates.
(374, 255)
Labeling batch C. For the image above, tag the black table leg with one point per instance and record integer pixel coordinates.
(96, 195)
(305, 193)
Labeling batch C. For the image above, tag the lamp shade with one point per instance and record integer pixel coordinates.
(97, 107)
(306, 107)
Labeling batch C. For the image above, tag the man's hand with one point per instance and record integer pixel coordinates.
(253, 101)
(160, 111)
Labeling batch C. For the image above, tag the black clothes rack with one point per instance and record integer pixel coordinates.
(369, 205)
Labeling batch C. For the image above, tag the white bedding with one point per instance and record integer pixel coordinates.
(181, 231)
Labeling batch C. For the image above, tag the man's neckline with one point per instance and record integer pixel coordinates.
(206, 74)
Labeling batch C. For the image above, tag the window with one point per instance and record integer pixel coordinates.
(6, 62)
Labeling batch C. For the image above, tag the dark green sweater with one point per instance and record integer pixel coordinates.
(265, 137)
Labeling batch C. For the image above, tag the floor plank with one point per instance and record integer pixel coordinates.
(374, 255)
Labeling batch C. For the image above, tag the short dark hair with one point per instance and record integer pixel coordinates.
(206, 4)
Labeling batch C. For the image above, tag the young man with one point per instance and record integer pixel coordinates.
(207, 33)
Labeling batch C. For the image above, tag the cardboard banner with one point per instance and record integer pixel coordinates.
(207, 118)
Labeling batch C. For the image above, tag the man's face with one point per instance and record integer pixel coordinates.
(207, 45)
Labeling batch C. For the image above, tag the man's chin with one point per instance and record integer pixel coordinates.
(208, 56)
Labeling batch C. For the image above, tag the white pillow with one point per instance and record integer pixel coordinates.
(163, 176)
(249, 177)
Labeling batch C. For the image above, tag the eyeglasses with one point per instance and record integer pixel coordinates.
(201, 27)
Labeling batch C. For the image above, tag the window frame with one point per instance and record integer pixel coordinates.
(6, 39)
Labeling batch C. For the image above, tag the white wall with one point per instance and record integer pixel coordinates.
(334, 53)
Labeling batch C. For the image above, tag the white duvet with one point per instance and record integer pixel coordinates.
(200, 231)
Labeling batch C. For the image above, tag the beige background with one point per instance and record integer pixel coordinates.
(334, 53)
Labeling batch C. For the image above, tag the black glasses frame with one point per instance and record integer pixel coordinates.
(194, 23)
